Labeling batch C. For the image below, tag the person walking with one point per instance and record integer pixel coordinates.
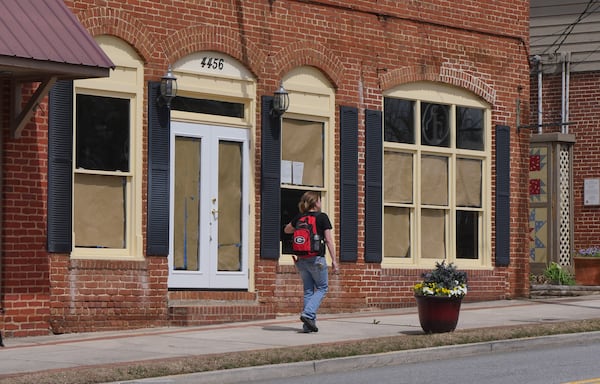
(313, 270)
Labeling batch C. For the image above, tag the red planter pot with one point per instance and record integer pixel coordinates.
(438, 314)
(587, 270)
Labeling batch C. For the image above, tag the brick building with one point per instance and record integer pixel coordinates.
(121, 211)
(565, 77)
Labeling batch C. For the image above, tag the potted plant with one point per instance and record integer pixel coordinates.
(439, 296)
(587, 266)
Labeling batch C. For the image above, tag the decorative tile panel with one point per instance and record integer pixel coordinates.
(538, 229)
(538, 175)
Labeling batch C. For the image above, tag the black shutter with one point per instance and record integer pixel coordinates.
(373, 186)
(502, 195)
(159, 135)
(60, 169)
(270, 181)
(348, 183)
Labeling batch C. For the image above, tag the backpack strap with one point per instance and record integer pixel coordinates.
(315, 214)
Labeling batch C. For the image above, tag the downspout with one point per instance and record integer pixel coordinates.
(563, 81)
(538, 60)
(567, 80)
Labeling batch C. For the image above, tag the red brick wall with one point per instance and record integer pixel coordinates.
(96, 295)
(585, 114)
(365, 48)
(25, 267)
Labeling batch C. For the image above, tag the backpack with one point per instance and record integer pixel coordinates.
(305, 239)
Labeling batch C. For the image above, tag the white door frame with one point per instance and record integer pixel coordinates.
(208, 276)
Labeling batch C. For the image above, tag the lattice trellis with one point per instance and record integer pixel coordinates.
(564, 190)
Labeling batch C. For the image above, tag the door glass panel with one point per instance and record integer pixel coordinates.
(186, 204)
(230, 206)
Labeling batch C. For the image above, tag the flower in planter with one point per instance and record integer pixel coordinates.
(445, 281)
(589, 252)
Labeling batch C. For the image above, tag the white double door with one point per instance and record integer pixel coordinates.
(209, 207)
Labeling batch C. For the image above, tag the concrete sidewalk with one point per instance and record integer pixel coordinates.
(52, 353)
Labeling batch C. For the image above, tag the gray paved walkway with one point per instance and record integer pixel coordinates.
(37, 354)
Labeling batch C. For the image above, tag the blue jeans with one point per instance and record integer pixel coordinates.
(313, 271)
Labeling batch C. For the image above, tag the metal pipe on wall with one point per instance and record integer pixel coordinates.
(538, 60)
(566, 76)
(568, 80)
(563, 73)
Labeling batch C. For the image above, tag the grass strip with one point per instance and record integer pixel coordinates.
(222, 361)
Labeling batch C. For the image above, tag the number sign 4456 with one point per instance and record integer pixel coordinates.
(212, 63)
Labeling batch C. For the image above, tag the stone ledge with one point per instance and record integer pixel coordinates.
(550, 290)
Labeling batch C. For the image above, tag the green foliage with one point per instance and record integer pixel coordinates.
(558, 275)
(444, 280)
(445, 275)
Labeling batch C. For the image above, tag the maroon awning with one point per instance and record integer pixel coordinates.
(41, 38)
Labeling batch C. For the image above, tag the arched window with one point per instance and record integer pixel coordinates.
(306, 143)
(107, 157)
(436, 176)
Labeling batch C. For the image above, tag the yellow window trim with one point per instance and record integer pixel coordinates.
(450, 95)
(126, 81)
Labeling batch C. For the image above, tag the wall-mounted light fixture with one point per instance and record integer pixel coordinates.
(168, 88)
(281, 101)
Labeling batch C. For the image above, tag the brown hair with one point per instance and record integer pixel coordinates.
(308, 201)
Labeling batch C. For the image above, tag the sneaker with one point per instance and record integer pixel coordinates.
(306, 330)
(310, 324)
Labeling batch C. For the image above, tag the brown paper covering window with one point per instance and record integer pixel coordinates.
(468, 183)
(398, 177)
(397, 232)
(187, 197)
(434, 180)
(99, 211)
(302, 141)
(433, 234)
(230, 206)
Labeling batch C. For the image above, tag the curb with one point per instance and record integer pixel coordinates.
(345, 364)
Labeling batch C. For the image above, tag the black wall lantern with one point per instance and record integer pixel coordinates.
(281, 101)
(168, 88)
